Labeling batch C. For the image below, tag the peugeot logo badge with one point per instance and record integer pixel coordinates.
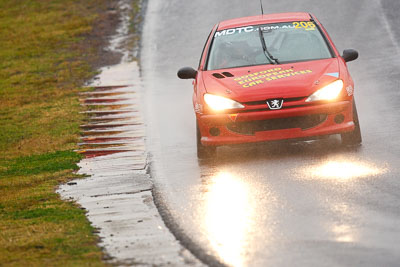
(275, 103)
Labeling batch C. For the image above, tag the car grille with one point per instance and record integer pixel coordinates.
(261, 105)
(251, 127)
(264, 102)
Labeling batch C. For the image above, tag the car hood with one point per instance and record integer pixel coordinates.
(255, 83)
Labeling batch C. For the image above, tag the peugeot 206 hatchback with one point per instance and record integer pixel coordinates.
(272, 77)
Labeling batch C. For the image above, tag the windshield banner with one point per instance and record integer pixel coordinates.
(299, 25)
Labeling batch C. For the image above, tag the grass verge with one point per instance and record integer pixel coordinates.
(48, 48)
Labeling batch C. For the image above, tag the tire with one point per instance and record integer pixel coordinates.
(204, 152)
(353, 138)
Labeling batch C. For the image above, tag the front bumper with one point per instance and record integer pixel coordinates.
(260, 126)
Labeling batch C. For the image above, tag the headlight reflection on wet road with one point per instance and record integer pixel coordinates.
(343, 230)
(342, 170)
(343, 233)
(229, 217)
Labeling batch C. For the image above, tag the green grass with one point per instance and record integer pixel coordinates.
(47, 51)
(37, 164)
(36, 228)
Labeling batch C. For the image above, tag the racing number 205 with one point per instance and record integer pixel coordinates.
(304, 25)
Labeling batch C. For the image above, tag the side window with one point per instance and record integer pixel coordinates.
(204, 48)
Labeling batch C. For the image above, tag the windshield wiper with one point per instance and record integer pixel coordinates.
(265, 49)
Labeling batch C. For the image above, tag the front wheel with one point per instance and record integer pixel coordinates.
(203, 152)
(353, 138)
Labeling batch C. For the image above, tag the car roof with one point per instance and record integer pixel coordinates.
(264, 19)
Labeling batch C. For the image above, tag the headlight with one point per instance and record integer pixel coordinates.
(329, 92)
(218, 103)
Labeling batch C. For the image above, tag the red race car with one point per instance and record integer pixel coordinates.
(272, 77)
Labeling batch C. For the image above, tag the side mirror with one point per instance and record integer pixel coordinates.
(187, 73)
(350, 55)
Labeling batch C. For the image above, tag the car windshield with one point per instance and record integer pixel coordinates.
(285, 42)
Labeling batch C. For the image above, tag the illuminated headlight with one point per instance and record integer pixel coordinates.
(219, 103)
(329, 92)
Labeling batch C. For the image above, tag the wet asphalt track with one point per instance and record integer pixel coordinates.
(279, 204)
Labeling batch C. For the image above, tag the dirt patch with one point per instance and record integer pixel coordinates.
(106, 27)
(99, 38)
